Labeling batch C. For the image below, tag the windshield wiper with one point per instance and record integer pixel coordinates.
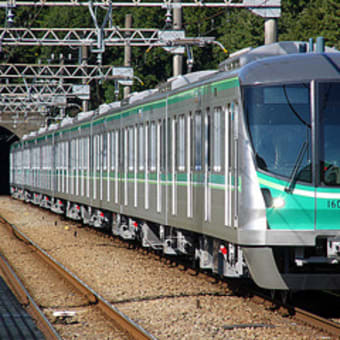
(303, 149)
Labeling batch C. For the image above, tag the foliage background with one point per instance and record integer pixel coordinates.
(234, 28)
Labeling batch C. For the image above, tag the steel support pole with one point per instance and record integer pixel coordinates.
(177, 60)
(270, 31)
(85, 55)
(127, 52)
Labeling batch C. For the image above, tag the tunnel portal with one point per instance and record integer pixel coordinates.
(6, 139)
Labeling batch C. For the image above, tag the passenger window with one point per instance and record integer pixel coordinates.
(131, 147)
(153, 146)
(217, 139)
(141, 146)
(198, 141)
(181, 143)
(104, 151)
(113, 150)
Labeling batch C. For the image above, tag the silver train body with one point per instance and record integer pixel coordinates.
(176, 169)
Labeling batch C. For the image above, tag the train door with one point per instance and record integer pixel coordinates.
(207, 166)
(115, 164)
(153, 169)
(131, 179)
(94, 169)
(108, 167)
(189, 169)
(146, 168)
(160, 163)
(216, 176)
(231, 166)
(173, 167)
(125, 167)
(197, 166)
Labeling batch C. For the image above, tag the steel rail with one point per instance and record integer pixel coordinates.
(306, 317)
(119, 319)
(25, 299)
(314, 320)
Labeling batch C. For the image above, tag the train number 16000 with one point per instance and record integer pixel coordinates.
(333, 204)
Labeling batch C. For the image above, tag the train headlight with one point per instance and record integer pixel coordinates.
(278, 202)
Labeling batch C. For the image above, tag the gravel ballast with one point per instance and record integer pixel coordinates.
(166, 301)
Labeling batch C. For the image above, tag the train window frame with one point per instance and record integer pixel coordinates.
(97, 152)
(141, 147)
(198, 141)
(104, 151)
(217, 143)
(113, 150)
(131, 161)
(152, 146)
(180, 143)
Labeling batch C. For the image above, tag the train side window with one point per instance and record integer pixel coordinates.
(152, 146)
(181, 143)
(217, 139)
(97, 151)
(198, 141)
(131, 147)
(141, 147)
(104, 151)
(73, 154)
(113, 150)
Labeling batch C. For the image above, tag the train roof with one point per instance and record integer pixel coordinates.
(285, 61)
(292, 68)
(278, 62)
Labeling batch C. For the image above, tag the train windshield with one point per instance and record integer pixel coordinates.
(329, 130)
(279, 121)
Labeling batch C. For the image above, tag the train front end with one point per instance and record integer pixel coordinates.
(291, 115)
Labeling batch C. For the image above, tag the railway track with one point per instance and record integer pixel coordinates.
(173, 305)
(26, 300)
(314, 320)
(311, 319)
(112, 313)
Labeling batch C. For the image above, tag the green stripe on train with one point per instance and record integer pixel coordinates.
(306, 207)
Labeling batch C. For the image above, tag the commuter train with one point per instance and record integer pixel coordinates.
(237, 169)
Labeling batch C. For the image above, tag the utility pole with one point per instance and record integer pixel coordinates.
(177, 60)
(270, 31)
(127, 52)
(84, 59)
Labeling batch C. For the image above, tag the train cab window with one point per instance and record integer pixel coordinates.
(181, 143)
(217, 139)
(152, 145)
(198, 141)
(279, 123)
(141, 146)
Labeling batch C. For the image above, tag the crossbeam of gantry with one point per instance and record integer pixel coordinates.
(60, 71)
(28, 106)
(78, 36)
(35, 90)
(148, 3)
(264, 8)
(89, 37)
